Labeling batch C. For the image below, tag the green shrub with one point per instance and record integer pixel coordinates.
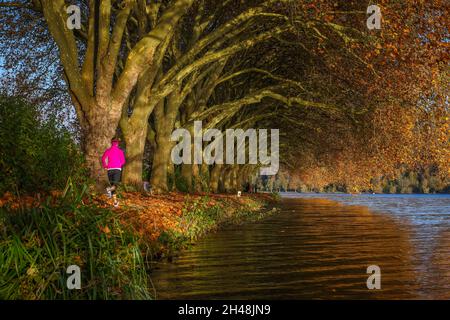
(37, 246)
(34, 154)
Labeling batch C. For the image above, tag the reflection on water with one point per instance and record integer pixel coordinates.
(316, 248)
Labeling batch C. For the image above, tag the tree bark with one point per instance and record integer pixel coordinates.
(97, 138)
(171, 173)
(215, 176)
(135, 130)
(235, 179)
(164, 123)
(100, 127)
(135, 142)
(161, 160)
(196, 178)
(227, 180)
(240, 172)
(205, 177)
(186, 174)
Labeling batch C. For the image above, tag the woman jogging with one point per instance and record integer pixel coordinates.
(113, 159)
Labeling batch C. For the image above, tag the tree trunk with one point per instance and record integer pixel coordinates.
(94, 148)
(215, 176)
(171, 173)
(164, 125)
(227, 180)
(234, 179)
(186, 174)
(97, 138)
(239, 178)
(205, 177)
(222, 178)
(196, 178)
(135, 138)
(161, 160)
(188, 171)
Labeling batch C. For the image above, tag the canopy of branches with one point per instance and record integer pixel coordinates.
(351, 103)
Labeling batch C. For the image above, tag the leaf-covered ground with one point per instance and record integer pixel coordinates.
(150, 215)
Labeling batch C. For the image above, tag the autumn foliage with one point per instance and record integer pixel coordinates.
(149, 215)
(396, 113)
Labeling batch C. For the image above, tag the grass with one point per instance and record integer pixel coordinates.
(37, 246)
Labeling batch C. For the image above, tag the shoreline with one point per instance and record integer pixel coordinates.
(114, 248)
(199, 215)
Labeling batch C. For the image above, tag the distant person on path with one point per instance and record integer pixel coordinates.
(113, 159)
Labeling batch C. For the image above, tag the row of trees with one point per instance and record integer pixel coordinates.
(349, 102)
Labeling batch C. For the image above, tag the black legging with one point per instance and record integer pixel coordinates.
(114, 177)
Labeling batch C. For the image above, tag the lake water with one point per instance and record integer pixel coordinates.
(319, 247)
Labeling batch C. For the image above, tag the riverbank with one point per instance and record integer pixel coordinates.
(167, 223)
(114, 247)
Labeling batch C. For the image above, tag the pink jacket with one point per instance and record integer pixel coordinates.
(113, 158)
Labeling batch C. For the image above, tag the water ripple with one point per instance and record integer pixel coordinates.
(320, 249)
